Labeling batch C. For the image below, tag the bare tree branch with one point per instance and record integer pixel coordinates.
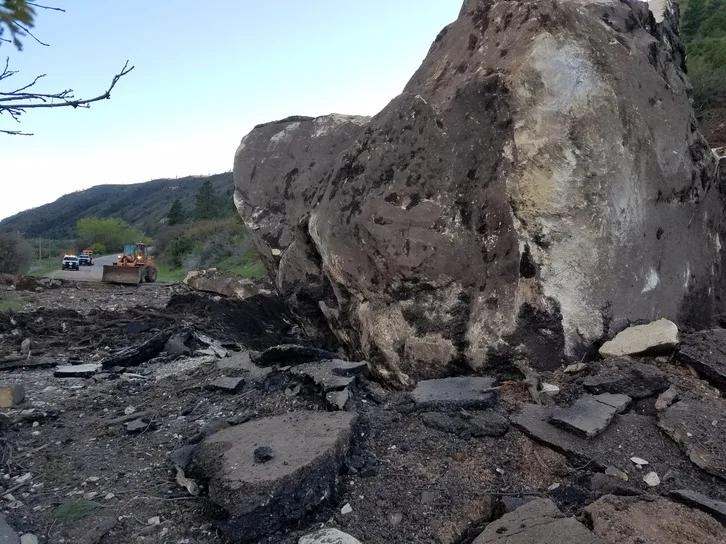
(29, 33)
(45, 7)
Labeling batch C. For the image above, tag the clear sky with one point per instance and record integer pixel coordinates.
(206, 73)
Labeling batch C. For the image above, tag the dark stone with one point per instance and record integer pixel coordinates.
(716, 509)
(610, 485)
(209, 429)
(263, 454)
(77, 371)
(455, 393)
(261, 498)
(637, 380)
(587, 417)
(136, 355)
(706, 352)
(230, 385)
(140, 425)
(7, 534)
(136, 327)
(176, 347)
(181, 457)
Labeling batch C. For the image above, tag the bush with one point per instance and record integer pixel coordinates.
(177, 249)
(112, 233)
(16, 255)
(98, 249)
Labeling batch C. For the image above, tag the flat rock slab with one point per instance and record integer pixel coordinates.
(715, 509)
(76, 371)
(699, 428)
(706, 352)
(7, 534)
(629, 520)
(331, 375)
(626, 377)
(654, 338)
(619, 402)
(328, 536)
(455, 393)
(11, 395)
(587, 417)
(259, 498)
(537, 522)
(229, 385)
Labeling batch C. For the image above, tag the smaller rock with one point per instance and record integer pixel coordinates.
(338, 399)
(175, 346)
(549, 389)
(181, 457)
(347, 509)
(587, 417)
(7, 534)
(395, 518)
(28, 538)
(553, 487)
(129, 410)
(575, 368)
(77, 371)
(716, 509)
(615, 472)
(654, 338)
(603, 484)
(619, 402)
(230, 385)
(651, 479)
(138, 425)
(11, 395)
(455, 393)
(25, 346)
(328, 536)
(638, 461)
(666, 398)
(263, 454)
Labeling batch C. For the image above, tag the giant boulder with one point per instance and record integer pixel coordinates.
(539, 184)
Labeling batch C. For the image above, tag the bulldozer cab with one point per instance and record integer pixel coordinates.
(137, 252)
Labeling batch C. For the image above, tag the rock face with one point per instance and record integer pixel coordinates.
(260, 497)
(539, 183)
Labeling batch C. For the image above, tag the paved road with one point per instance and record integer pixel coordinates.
(86, 273)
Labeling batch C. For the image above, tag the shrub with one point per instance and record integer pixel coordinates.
(16, 254)
(177, 249)
(98, 249)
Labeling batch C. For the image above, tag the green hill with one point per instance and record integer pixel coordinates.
(143, 205)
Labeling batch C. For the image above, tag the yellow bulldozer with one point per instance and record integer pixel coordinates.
(135, 265)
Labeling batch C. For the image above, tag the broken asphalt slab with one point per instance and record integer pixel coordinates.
(331, 375)
(587, 417)
(136, 355)
(468, 392)
(627, 377)
(538, 521)
(310, 448)
(698, 428)
(714, 508)
(705, 351)
(229, 385)
(76, 371)
(630, 520)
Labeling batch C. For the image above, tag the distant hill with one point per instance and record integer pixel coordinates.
(143, 205)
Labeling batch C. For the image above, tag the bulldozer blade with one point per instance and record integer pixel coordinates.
(121, 274)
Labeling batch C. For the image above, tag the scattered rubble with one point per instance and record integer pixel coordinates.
(652, 339)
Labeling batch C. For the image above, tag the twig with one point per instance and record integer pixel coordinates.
(15, 488)
(128, 417)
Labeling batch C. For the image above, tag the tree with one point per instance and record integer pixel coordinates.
(17, 17)
(16, 254)
(176, 214)
(206, 203)
(112, 233)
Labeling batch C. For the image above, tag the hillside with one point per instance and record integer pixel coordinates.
(143, 205)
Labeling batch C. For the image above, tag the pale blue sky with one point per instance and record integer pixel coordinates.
(206, 73)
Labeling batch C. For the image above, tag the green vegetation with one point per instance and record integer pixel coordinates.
(704, 34)
(16, 255)
(16, 16)
(11, 302)
(176, 215)
(170, 275)
(110, 234)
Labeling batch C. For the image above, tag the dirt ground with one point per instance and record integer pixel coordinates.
(405, 481)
